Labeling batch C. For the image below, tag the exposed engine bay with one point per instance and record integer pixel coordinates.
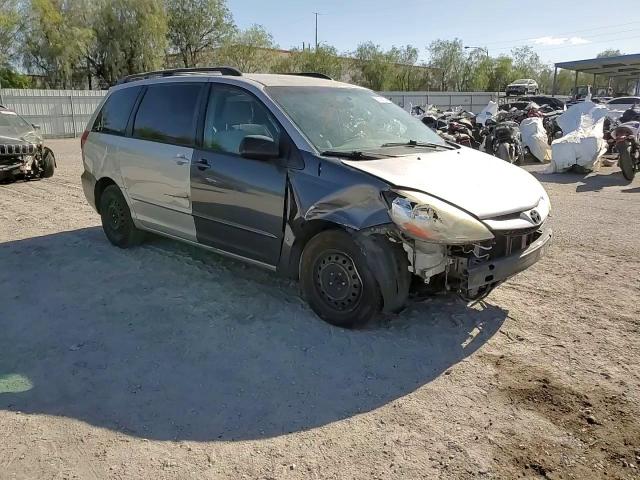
(473, 271)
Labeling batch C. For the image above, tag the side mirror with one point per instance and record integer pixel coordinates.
(259, 147)
(35, 126)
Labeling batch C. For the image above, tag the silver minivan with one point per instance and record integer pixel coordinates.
(317, 180)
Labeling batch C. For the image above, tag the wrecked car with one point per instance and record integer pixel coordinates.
(22, 151)
(321, 181)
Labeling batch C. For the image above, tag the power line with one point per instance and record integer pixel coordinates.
(604, 27)
(553, 47)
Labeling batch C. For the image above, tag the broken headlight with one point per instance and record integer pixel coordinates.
(426, 218)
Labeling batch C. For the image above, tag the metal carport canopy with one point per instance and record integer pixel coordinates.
(620, 66)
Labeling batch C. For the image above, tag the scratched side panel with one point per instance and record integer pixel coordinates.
(156, 178)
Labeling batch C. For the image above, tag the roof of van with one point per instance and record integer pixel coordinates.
(280, 80)
(264, 79)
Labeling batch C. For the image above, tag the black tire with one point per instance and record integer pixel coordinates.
(48, 164)
(116, 219)
(336, 281)
(504, 152)
(625, 163)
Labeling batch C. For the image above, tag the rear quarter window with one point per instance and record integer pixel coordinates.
(167, 113)
(114, 115)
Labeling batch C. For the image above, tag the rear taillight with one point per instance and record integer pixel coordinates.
(83, 138)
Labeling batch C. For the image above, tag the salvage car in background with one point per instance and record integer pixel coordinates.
(619, 105)
(523, 86)
(22, 152)
(321, 181)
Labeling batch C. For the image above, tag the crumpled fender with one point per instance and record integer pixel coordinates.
(340, 195)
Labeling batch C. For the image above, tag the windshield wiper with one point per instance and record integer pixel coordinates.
(353, 154)
(414, 143)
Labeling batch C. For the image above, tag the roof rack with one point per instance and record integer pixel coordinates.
(233, 72)
(312, 75)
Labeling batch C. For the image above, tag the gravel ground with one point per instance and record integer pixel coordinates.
(165, 361)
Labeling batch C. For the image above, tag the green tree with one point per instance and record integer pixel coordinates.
(501, 73)
(9, 25)
(11, 79)
(526, 62)
(197, 26)
(449, 57)
(609, 53)
(250, 50)
(373, 67)
(130, 37)
(324, 59)
(55, 41)
(405, 74)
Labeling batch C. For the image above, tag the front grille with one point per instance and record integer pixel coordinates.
(508, 243)
(17, 149)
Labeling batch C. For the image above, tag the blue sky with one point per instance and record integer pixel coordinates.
(559, 30)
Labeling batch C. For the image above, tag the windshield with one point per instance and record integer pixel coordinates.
(349, 119)
(522, 81)
(13, 125)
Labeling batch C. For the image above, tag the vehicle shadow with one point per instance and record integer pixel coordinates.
(167, 341)
(592, 182)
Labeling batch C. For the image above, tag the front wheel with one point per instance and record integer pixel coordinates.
(626, 162)
(337, 282)
(48, 164)
(116, 219)
(504, 152)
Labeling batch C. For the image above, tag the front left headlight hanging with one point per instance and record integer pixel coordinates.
(426, 218)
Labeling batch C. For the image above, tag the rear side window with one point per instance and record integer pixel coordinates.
(167, 113)
(114, 115)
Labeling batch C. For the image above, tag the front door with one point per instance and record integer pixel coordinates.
(238, 203)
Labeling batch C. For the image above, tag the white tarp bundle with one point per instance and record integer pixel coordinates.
(582, 144)
(571, 120)
(490, 111)
(534, 136)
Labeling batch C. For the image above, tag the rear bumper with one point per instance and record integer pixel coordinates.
(498, 270)
(89, 187)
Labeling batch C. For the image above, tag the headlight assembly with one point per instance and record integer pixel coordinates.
(426, 218)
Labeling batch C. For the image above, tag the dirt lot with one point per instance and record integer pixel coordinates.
(168, 362)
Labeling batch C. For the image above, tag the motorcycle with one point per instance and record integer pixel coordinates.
(503, 140)
(627, 136)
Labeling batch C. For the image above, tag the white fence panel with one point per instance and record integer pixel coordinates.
(60, 113)
(471, 101)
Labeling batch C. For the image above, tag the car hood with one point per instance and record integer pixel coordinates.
(9, 136)
(483, 185)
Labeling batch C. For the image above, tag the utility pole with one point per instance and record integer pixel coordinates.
(316, 14)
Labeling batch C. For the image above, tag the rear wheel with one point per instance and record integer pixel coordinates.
(116, 219)
(626, 162)
(337, 282)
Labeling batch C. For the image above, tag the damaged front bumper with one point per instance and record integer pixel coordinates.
(474, 270)
(497, 270)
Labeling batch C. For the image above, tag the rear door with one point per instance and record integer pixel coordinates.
(238, 203)
(156, 158)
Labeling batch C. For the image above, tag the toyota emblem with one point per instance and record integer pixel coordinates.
(535, 216)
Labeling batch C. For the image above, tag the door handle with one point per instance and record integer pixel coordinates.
(203, 164)
(181, 159)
